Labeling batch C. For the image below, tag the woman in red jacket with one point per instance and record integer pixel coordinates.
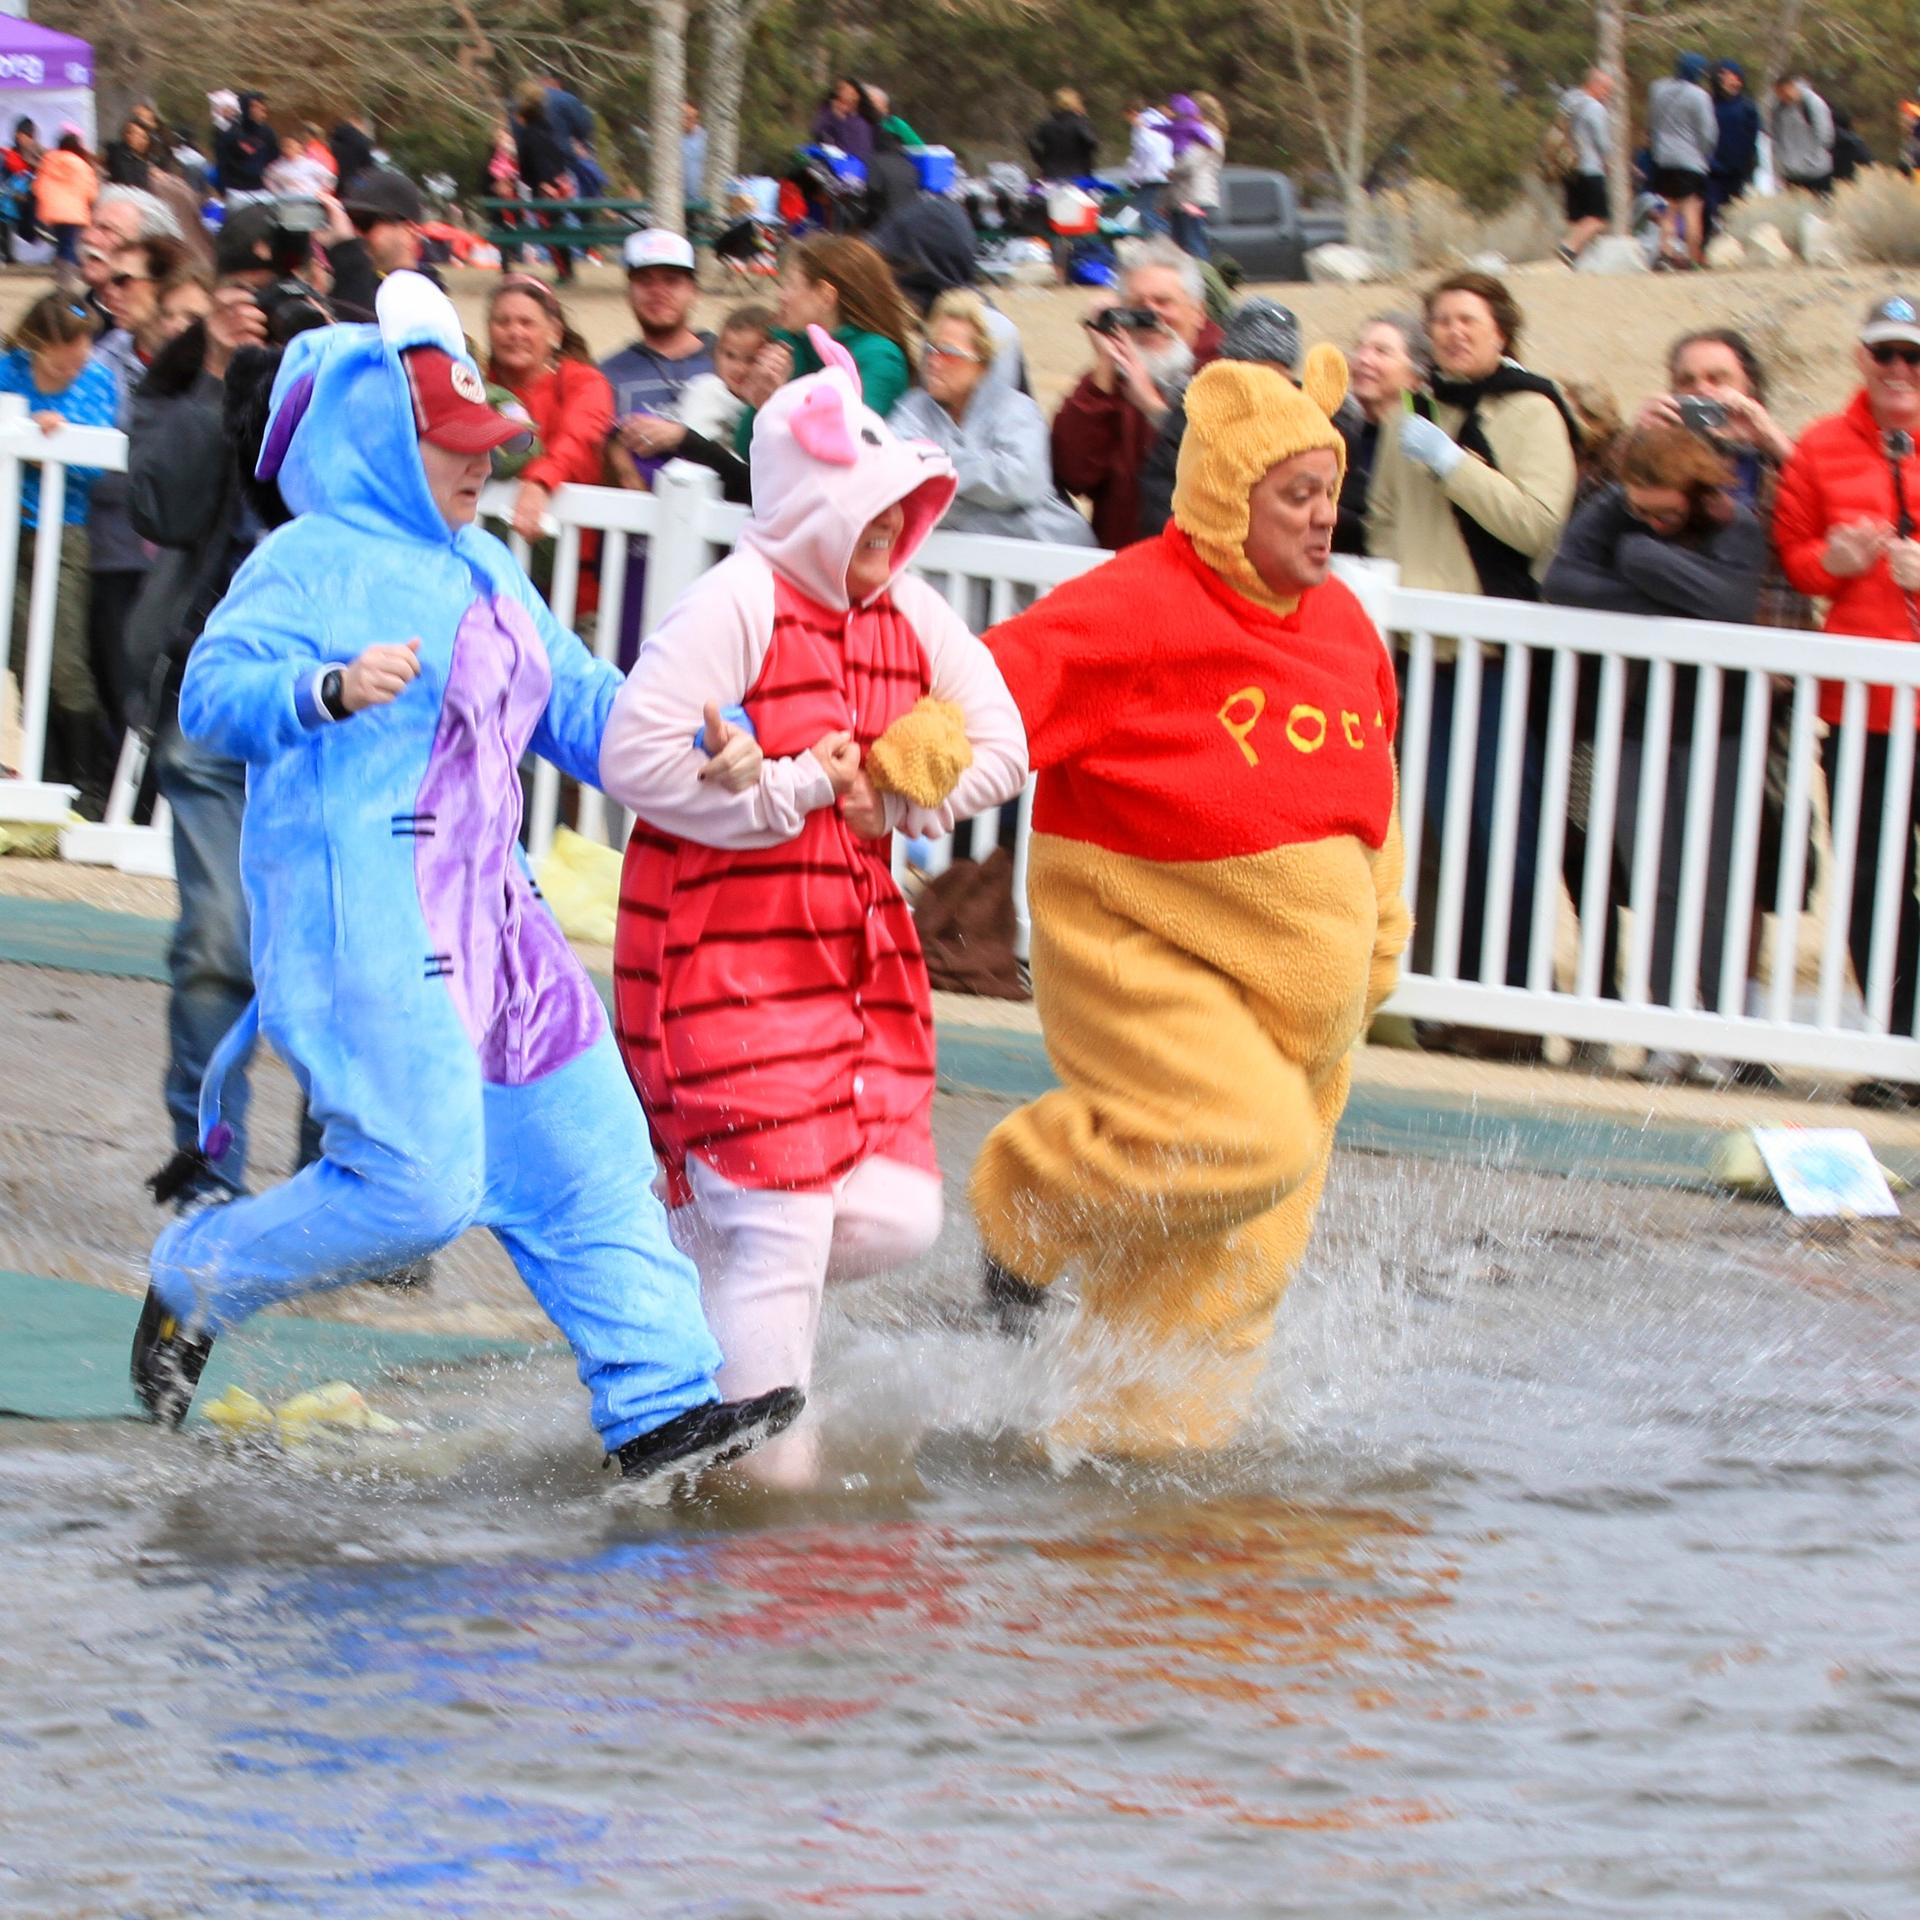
(537, 356)
(1844, 523)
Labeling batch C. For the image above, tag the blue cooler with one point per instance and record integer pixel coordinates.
(934, 165)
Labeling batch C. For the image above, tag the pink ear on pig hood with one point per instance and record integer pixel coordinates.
(824, 467)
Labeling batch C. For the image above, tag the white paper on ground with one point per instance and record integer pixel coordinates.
(1825, 1173)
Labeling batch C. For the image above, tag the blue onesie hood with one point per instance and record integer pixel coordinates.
(340, 435)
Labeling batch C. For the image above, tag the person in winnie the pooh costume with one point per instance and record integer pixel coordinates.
(1216, 891)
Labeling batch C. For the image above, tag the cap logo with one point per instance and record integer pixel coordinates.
(468, 385)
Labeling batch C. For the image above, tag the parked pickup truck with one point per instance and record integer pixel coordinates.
(1261, 224)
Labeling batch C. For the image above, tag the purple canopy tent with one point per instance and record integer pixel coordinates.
(46, 76)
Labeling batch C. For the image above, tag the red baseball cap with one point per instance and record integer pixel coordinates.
(450, 405)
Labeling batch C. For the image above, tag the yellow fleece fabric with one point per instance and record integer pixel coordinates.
(1199, 1012)
(1200, 1016)
(923, 754)
(1243, 419)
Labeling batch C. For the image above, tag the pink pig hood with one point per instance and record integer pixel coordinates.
(824, 465)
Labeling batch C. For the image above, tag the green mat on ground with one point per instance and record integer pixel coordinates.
(76, 937)
(65, 1352)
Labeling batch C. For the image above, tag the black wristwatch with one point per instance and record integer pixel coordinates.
(333, 693)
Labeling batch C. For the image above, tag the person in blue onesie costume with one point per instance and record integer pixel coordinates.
(381, 665)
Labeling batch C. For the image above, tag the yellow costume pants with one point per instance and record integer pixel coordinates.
(1199, 1016)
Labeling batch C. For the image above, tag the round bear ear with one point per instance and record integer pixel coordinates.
(1324, 378)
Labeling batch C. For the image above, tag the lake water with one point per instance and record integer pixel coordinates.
(1572, 1569)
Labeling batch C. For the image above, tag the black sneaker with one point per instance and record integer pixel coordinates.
(1013, 1305)
(708, 1435)
(167, 1363)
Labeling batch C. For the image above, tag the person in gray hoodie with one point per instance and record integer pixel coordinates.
(1800, 124)
(995, 437)
(1682, 132)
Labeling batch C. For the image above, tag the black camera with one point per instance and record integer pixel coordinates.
(289, 305)
(1125, 320)
(1706, 417)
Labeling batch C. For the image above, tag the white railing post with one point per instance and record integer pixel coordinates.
(677, 552)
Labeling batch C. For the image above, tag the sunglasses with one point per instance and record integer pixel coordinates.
(128, 279)
(933, 350)
(1886, 354)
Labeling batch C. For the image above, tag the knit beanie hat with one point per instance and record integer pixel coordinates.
(1262, 330)
(1243, 420)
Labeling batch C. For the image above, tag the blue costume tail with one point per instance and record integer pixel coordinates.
(193, 1166)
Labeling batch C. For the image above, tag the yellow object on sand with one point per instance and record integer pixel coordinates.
(581, 883)
(923, 754)
(1739, 1167)
(337, 1407)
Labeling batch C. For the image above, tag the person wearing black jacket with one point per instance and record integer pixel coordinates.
(1670, 540)
(247, 149)
(386, 210)
(351, 145)
(187, 495)
(1064, 144)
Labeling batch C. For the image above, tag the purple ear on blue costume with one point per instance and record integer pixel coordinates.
(282, 427)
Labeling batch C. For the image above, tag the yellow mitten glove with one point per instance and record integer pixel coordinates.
(923, 754)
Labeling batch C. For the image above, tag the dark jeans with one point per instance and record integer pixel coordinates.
(1526, 850)
(109, 603)
(1866, 868)
(66, 245)
(1189, 231)
(208, 961)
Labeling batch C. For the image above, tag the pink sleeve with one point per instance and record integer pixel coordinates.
(709, 647)
(963, 671)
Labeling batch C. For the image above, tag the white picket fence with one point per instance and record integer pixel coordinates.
(1832, 1022)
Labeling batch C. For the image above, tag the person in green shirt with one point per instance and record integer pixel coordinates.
(844, 287)
(885, 120)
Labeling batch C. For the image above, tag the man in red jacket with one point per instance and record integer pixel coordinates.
(1107, 425)
(1844, 524)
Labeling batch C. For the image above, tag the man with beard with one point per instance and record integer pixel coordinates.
(1108, 424)
(649, 376)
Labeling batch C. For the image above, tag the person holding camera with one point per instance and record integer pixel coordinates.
(189, 451)
(1844, 526)
(1146, 347)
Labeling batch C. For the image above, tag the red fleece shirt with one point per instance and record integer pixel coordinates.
(1840, 472)
(1171, 718)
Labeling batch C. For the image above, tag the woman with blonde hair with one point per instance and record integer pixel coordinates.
(1064, 144)
(995, 437)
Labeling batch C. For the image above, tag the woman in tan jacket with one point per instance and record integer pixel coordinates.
(1470, 496)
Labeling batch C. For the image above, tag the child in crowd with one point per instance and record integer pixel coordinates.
(712, 404)
(768, 986)
(49, 363)
(705, 416)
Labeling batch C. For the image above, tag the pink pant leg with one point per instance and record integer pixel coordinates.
(885, 1213)
(764, 1259)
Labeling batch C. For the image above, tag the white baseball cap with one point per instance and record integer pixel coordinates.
(656, 247)
(1896, 318)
